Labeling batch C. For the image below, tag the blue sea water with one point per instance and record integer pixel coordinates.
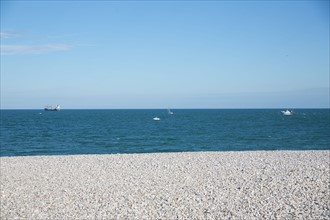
(37, 132)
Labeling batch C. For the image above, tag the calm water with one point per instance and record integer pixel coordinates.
(36, 132)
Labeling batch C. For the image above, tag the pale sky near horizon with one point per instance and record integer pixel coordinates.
(155, 54)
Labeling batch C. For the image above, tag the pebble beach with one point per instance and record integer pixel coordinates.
(197, 185)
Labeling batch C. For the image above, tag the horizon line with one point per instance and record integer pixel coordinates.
(225, 108)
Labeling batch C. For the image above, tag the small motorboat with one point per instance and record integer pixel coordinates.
(287, 112)
(156, 119)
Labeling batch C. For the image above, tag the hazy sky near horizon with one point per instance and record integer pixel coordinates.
(154, 54)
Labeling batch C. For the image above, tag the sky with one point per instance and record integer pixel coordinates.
(159, 54)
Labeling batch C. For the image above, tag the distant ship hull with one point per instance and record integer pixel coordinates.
(49, 109)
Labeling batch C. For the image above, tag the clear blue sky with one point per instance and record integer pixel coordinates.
(145, 54)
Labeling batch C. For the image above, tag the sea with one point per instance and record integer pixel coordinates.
(70, 132)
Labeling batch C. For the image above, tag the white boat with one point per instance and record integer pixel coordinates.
(50, 108)
(287, 112)
(156, 119)
(169, 111)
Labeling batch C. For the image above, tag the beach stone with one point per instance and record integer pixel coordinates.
(200, 185)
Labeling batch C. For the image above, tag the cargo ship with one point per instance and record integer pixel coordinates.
(51, 108)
